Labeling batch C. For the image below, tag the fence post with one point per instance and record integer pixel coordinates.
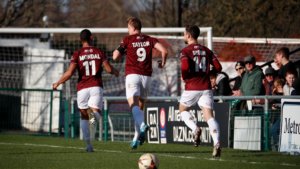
(66, 126)
(60, 113)
(72, 119)
(50, 118)
(105, 114)
(266, 125)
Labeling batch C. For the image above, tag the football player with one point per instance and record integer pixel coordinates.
(195, 69)
(138, 49)
(88, 61)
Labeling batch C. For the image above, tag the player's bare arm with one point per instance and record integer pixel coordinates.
(66, 76)
(110, 69)
(164, 53)
(116, 55)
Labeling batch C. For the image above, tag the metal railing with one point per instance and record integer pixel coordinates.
(265, 105)
(30, 110)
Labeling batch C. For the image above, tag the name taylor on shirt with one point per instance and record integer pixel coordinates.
(140, 44)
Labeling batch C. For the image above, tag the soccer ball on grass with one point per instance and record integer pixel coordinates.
(148, 161)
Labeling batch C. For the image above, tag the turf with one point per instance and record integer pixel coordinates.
(24, 151)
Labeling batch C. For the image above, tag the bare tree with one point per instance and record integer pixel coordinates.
(160, 13)
(253, 18)
(95, 13)
(28, 13)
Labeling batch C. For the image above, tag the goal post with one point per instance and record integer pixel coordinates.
(207, 30)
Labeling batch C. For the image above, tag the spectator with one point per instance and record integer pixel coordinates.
(282, 56)
(252, 81)
(275, 109)
(220, 84)
(240, 69)
(269, 80)
(288, 87)
(296, 86)
(278, 86)
(277, 90)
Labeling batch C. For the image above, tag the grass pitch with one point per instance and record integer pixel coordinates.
(23, 151)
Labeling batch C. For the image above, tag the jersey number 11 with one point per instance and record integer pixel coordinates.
(87, 65)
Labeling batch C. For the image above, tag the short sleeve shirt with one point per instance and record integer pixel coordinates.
(199, 60)
(138, 49)
(89, 62)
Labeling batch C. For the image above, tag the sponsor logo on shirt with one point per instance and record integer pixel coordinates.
(88, 51)
(199, 52)
(139, 37)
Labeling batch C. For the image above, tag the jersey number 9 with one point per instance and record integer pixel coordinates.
(141, 53)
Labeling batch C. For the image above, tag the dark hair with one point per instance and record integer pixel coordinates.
(240, 64)
(213, 73)
(85, 35)
(284, 51)
(291, 72)
(193, 30)
(135, 22)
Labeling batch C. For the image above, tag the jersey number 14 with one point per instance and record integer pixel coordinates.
(200, 64)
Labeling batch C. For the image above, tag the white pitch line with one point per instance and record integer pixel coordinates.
(55, 146)
(164, 155)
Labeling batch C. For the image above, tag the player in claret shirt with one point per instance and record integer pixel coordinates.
(195, 69)
(88, 61)
(138, 69)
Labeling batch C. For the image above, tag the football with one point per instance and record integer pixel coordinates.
(148, 161)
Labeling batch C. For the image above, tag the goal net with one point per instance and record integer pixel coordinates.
(34, 58)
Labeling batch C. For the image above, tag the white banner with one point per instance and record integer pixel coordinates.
(247, 133)
(35, 116)
(290, 126)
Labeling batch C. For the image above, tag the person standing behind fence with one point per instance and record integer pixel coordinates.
(252, 81)
(195, 69)
(288, 88)
(88, 62)
(268, 81)
(138, 69)
(275, 112)
(240, 69)
(220, 84)
(282, 56)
